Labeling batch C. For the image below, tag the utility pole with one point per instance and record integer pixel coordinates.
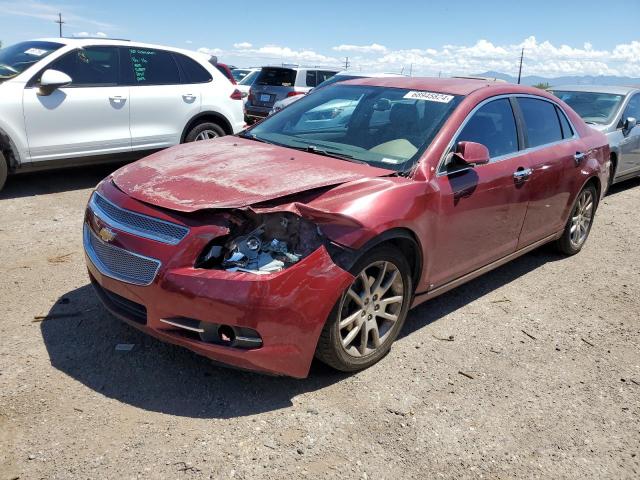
(346, 63)
(59, 22)
(520, 70)
(411, 70)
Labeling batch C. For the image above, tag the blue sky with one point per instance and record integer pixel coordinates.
(459, 37)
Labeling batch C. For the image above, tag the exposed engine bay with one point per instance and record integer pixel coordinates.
(262, 244)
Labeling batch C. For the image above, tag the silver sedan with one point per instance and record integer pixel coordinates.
(615, 111)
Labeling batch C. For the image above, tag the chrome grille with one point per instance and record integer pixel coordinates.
(118, 263)
(136, 223)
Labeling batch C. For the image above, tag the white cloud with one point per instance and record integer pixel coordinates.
(242, 52)
(211, 51)
(89, 34)
(44, 11)
(189, 42)
(540, 58)
(373, 48)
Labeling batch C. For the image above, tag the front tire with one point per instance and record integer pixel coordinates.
(579, 224)
(369, 315)
(204, 131)
(4, 170)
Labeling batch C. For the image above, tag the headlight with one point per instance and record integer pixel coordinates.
(263, 244)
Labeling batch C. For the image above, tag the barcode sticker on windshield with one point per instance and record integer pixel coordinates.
(429, 96)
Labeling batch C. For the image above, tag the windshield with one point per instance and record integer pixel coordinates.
(249, 78)
(17, 58)
(381, 126)
(593, 107)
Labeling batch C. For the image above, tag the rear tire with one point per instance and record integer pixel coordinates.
(368, 317)
(4, 170)
(580, 221)
(204, 131)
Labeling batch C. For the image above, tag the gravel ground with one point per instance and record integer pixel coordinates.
(540, 380)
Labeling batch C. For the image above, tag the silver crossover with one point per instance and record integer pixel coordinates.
(615, 111)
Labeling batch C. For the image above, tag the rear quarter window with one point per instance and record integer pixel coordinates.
(277, 77)
(192, 71)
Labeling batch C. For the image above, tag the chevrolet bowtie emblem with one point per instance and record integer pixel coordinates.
(106, 234)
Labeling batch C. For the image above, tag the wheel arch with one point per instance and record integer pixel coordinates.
(405, 240)
(9, 149)
(210, 116)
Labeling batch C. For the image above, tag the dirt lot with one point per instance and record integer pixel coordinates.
(552, 345)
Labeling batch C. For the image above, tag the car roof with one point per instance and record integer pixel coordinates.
(613, 89)
(83, 41)
(453, 86)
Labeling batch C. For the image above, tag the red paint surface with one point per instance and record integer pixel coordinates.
(460, 222)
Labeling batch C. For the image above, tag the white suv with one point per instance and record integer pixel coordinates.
(74, 101)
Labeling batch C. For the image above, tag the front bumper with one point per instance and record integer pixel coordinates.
(288, 308)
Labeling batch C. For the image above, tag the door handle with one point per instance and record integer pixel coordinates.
(189, 96)
(578, 157)
(522, 174)
(117, 99)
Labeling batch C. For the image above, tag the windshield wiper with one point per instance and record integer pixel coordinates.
(329, 153)
(251, 136)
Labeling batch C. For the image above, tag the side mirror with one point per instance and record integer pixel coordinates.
(472, 153)
(629, 123)
(52, 80)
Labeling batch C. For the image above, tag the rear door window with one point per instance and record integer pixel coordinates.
(152, 67)
(277, 77)
(542, 125)
(90, 66)
(494, 126)
(192, 71)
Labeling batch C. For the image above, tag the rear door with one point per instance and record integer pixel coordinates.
(481, 209)
(273, 84)
(629, 161)
(89, 117)
(162, 100)
(555, 153)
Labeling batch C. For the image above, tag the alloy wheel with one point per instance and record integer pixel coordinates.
(581, 218)
(206, 135)
(370, 308)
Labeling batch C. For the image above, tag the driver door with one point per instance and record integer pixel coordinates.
(481, 209)
(86, 118)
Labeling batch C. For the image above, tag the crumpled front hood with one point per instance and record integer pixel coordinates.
(231, 172)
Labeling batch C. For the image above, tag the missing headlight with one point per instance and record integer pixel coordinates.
(263, 244)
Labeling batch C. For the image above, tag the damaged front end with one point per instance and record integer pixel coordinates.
(262, 243)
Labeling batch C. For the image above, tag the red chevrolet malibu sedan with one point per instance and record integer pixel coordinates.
(314, 232)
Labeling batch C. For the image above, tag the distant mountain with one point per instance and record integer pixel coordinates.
(569, 80)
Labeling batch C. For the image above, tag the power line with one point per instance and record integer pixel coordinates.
(59, 22)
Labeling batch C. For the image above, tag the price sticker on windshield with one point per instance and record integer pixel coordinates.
(429, 96)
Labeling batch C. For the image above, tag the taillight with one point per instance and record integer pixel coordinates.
(236, 95)
(294, 93)
(250, 98)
